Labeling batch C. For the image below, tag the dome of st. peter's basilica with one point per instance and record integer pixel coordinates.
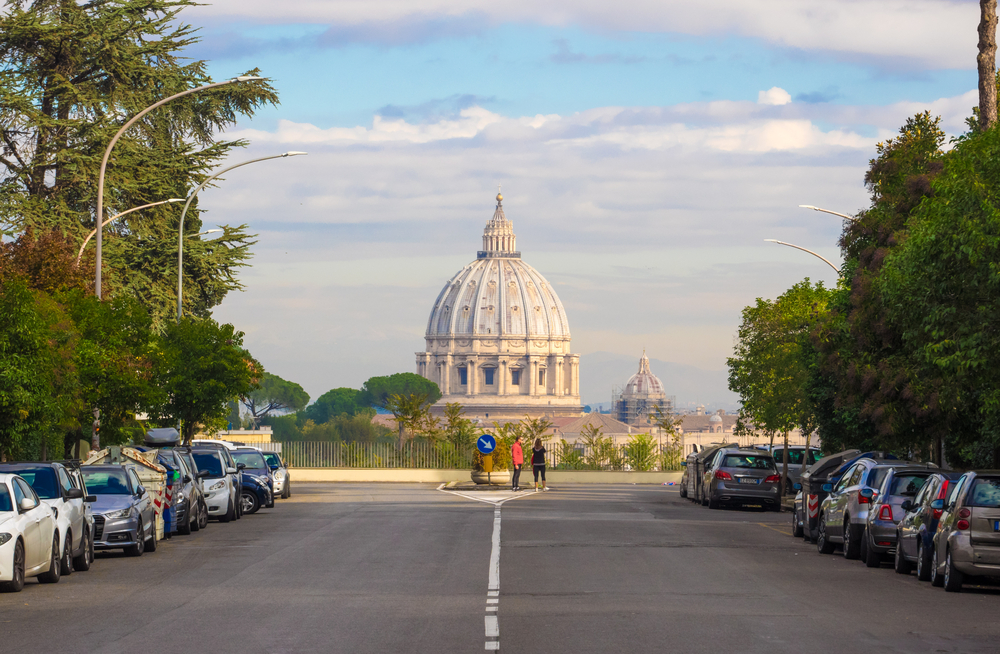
(498, 339)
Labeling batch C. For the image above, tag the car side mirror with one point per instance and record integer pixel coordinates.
(797, 486)
(273, 468)
(231, 471)
(937, 505)
(867, 492)
(827, 488)
(684, 464)
(74, 494)
(90, 499)
(201, 474)
(26, 504)
(906, 505)
(187, 479)
(241, 466)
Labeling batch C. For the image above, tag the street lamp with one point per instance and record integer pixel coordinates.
(107, 154)
(115, 217)
(211, 231)
(191, 197)
(835, 213)
(797, 247)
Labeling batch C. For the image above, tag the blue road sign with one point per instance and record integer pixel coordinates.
(486, 444)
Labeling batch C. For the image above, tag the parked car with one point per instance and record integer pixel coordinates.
(124, 517)
(54, 485)
(283, 480)
(879, 537)
(29, 538)
(189, 498)
(811, 482)
(694, 466)
(967, 541)
(225, 449)
(843, 514)
(915, 533)
(222, 492)
(797, 462)
(255, 465)
(742, 476)
(256, 493)
(185, 453)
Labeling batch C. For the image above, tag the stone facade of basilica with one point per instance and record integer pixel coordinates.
(498, 339)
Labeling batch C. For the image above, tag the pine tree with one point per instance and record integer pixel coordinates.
(71, 73)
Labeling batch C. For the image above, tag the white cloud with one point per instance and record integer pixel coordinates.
(774, 96)
(929, 33)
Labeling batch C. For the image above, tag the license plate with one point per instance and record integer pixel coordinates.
(749, 480)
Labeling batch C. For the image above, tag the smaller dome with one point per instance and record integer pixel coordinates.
(644, 382)
(715, 418)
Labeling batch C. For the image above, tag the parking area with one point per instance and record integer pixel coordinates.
(404, 567)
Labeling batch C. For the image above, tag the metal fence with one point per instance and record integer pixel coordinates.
(635, 456)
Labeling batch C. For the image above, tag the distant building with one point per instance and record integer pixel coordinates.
(699, 429)
(498, 340)
(635, 404)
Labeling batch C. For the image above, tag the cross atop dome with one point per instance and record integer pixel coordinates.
(499, 240)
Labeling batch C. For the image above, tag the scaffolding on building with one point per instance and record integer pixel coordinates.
(639, 409)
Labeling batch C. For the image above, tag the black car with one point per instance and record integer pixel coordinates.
(257, 466)
(915, 532)
(255, 494)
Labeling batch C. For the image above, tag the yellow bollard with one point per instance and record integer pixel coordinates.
(487, 463)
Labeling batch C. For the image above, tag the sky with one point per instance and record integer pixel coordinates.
(645, 149)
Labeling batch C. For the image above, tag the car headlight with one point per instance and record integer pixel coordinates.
(178, 498)
(114, 515)
(4, 538)
(217, 485)
(278, 475)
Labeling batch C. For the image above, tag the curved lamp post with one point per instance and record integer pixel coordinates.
(835, 213)
(180, 237)
(115, 217)
(107, 154)
(797, 247)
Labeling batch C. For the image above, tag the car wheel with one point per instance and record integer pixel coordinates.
(952, 578)
(923, 562)
(185, 528)
(54, 573)
(683, 492)
(288, 488)
(151, 541)
(82, 562)
(713, 503)
(66, 563)
(17, 577)
(203, 520)
(900, 564)
(823, 544)
(250, 503)
(797, 529)
(852, 541)
(228, 514)
(140, 542)
(937, 578)
(871, 558)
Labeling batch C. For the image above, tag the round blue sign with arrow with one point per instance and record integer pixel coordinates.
(486, 444)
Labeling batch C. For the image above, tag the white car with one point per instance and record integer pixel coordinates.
(29, 539)
(218, 484)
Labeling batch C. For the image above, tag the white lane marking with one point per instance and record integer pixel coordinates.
(492, 600)
(493, 590)
(495, 553)
(492, 626)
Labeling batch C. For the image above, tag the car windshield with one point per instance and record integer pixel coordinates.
(208, 462)
(986, 492)
(907, 485)
(43, 480)
(876, 477)
(5, 503)
(106, 482)
(251, 459)
(272, 459)
(748, 461)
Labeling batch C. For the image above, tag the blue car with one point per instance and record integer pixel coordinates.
(256, 465)
(256, 493)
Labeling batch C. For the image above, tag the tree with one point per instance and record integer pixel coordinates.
(458, 431)
(410, 411)
(333, 403)
(272, 395)
(200, 366)
(377, 390)
(71, 74)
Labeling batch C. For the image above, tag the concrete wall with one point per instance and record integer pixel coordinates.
(438, 476)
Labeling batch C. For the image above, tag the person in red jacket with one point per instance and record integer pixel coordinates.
(517, 457)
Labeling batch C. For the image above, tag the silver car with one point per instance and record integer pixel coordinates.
(797, 462)
(742, 476)
(879, 537)
(279, 469)
(967, 541)
(124, 516)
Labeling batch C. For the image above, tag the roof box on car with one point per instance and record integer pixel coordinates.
(164, 437)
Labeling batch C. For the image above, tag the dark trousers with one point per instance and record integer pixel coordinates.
(516, 477)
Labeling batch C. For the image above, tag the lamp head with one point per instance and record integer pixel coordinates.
(808, 206)
(293, 153)
(246, 78)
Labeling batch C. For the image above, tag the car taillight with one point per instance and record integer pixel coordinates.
(863, 500)
(773, 479)
(964, 513)
(722, 474)
(962, 525)
(885, 513)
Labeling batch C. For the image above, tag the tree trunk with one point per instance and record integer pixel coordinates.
(784, 468)
(95, 434)
(987, 61)
(400, 435)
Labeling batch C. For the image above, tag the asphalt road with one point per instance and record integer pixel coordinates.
(405, 568)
